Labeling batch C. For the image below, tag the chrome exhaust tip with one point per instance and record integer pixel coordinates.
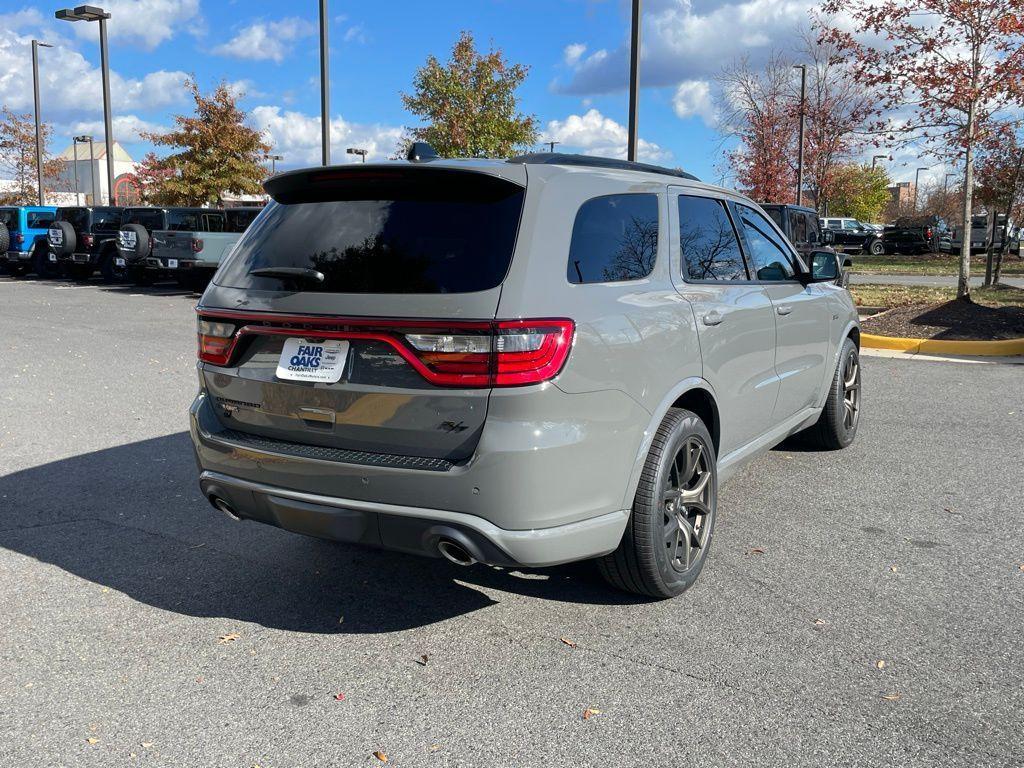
(454, 552)
(221, 505)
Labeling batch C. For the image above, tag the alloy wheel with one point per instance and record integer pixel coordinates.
(687, 504)
(851, 390)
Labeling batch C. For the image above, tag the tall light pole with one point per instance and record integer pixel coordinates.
(74, 151)
(876, 158)
(355, 151)
(917, 184)
(273, 162)
(36, 44)
(92, 13)
(634, 81)
(92, 166)
(325, 84)
(803, 121)
(945, 182)
(551, 146)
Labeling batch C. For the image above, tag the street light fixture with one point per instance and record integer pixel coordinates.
(803, 120)
(355, 151)
(93, 13)
(551, 145)
(273, 162)
(876, 158)
(917, 185)
(36, 45)
(945, 182)
(92, 169)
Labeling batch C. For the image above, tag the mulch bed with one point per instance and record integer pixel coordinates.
(950, 320)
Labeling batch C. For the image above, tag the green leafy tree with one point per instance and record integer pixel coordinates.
(470, 105)
(218, 153)
(859, 191)
(18, 158)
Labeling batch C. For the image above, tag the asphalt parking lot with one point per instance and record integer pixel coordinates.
(140, 627)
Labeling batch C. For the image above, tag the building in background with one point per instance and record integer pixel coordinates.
(90, 176)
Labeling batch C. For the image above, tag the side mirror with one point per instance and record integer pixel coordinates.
(827, 237)
(824, 267)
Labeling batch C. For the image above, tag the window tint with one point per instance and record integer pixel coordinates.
(797, 227)
(38, 219)
(151, 220)
(183, 221)
(389, 235)
(240, 218)
(813, 233)
(9, 217)
(769, 256)
(76, 217)
(707, 240)
(106, 219)
(213, 222)
(614, 237)
(849, 224)
(776, 214)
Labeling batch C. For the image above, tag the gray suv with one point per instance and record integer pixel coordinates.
(522, 362)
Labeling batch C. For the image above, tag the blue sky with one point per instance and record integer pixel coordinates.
(576, 49)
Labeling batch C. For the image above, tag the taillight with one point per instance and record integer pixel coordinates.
(87, 241)
(216, 341)
(928, 233)
(197, 245)
(502, 353)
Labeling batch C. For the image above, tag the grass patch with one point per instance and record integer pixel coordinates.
(932, 264)
(908, 295)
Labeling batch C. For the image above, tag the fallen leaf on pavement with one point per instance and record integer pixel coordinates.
(892, 568)
(893, 696)
(1021, 566)
(380, 756)
(819, 622)
(339, 696)
(568, 642)
(755, 551)
(422, 660)
(228, 638)
(880, 663)
(92, 740)
(589, 712)
(434, 747)
(147, 744)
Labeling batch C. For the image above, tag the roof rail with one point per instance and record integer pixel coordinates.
(557, 158)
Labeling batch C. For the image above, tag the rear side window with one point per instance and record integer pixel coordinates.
(38, 219)
(707, 240)
(614, 238)
(384, 232)
(770, 258)
(797, 227)
(212, 222)
(239, 219)
(9, 217)
(183, 221)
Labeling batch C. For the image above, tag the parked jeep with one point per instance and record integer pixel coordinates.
(192, 251)
(81, 238)
(803, 228)
(522, 362)
(914, 235)
(851, 235)
(23, 236)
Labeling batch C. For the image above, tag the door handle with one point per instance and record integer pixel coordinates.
(784, 309)
(712, 318)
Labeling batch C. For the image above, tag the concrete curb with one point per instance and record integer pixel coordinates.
(1004, 348)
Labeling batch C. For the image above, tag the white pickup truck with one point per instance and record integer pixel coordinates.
(199, 239)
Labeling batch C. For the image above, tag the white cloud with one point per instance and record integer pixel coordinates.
(266, 40)
(355, 34)
(296, 136)
(573, 52)
(693, 99)
(127, 128)
(685, 40)
(146, 23)
(594, 134)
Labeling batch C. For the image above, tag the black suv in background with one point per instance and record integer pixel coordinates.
(801, 225)
(915, 235)
(81, 238)
(851, 235)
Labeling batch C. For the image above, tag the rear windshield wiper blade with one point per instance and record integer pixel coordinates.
(298, 273)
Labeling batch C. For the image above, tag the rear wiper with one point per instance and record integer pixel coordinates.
(303, 273)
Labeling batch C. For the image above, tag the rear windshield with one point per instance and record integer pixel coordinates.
(76, 217)
(9, 217)
(201, 220)
(149, 219)
(106, 219)
(456, 235)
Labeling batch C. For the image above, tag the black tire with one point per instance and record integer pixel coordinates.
(877, 248)
(5, 240)
(108, 267)
(837, 425)
(645, 562)
(138, 235)
(41, 264)
(67, 237)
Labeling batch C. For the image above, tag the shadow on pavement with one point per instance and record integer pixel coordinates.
(131, 518)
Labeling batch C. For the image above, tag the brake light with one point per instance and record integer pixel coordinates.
(197, 245)
(503, 353)
(216, 341)
(87, 241)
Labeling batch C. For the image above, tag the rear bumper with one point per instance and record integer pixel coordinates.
(157, 262)
(16, 256)
(415, 530)
(547, 483)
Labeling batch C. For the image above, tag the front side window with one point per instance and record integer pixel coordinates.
(770, 258)
(707, 240)
(850, 224)
(614, 237)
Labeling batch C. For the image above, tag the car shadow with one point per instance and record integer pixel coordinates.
(131, 518)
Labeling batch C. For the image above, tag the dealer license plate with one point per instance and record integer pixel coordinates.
(318, 361)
